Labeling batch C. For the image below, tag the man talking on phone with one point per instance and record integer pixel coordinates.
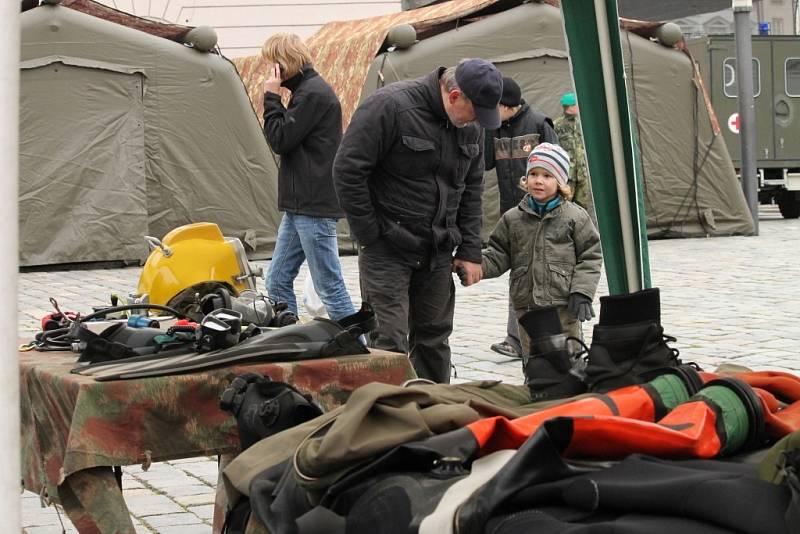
(306, 134)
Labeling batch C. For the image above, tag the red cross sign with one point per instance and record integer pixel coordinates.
(733, 123)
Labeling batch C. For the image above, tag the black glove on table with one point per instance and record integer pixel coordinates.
(580, 306)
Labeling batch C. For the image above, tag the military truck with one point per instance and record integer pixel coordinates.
(776, 88)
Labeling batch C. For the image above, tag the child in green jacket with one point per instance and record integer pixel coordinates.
(549, 244)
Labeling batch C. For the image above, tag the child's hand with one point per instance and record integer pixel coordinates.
(580, 306)
(472, 272)
(462, 275)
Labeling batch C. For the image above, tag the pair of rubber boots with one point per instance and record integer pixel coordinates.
(628, 347)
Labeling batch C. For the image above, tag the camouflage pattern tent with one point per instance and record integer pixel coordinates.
(691, 187)
(125, 132)
(343, 51)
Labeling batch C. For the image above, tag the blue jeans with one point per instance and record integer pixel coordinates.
(302, 238)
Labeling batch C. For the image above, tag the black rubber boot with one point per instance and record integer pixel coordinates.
(548, 366)
(641, 306)
(628, 344)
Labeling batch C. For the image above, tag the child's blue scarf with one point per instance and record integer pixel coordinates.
(542, 208)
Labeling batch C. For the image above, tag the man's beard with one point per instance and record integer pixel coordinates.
(458, 124)
(461, 124)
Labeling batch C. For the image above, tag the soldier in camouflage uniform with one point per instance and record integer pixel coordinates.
(568, 129)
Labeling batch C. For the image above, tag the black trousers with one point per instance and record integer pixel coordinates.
(414, 298)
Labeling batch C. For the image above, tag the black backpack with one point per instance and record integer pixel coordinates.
(262, 408)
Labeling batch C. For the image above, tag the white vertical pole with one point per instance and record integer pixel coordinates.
(9, 360)
(632, 270)
(747, 107)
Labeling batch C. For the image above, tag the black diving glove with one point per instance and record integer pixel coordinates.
(580, 307)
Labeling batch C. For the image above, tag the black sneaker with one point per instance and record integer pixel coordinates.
(506, 349)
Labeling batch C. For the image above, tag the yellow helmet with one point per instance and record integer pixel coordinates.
(194, 254)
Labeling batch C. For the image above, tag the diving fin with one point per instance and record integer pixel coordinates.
(200, 362)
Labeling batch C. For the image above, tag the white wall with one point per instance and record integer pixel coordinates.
(780, 15)
(243, 25)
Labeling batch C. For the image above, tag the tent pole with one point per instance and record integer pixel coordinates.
(595, 52)
(747, 110)
(631, 269)
(9, 176)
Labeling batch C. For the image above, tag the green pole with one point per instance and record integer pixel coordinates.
(598, 73)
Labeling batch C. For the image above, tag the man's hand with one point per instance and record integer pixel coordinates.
(273, 83)
(469, 273)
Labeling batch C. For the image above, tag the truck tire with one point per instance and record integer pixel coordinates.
(789, 207)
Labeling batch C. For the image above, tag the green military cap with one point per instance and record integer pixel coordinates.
(568, 99)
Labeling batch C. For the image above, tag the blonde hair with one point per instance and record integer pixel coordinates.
(288, 51)
(564, 190)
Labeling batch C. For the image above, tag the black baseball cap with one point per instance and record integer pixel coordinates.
(482, 83)
(512, 94)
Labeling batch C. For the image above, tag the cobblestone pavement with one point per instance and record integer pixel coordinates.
(732, 299)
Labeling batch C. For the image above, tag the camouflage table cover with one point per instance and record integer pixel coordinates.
(74, 428)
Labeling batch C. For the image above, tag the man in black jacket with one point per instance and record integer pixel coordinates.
(507, 150)
(409, 176)
(306, 134)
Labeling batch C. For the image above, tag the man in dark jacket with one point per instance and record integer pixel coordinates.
(409, 176)
(507, 150)
(306, 134)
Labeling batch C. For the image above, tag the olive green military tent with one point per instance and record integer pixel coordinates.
(690, 185)
(124, 134)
